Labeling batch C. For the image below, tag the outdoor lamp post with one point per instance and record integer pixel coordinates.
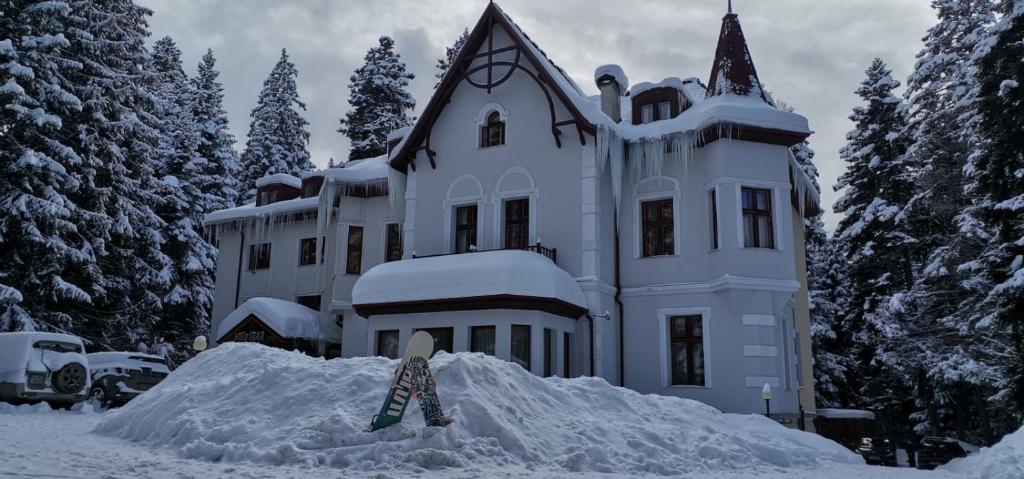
(199, 344)
(766, 393)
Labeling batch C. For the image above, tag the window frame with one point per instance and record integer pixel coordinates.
(304, 260)
(491, 121)
(660, 222)
(664, 336)
(523, 222)
(757, 213)
(450, 343)
(474, 229)
(687, 341)
(380, 334)
(256, 256)
(529, 345)
(388, 250)
(713, 228)
(357, 267)
(473, 347)
(647, 113)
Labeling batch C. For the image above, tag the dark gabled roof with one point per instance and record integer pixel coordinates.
(552, 76)
(733, 71)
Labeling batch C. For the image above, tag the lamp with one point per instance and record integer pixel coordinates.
(766, 393)
(199, 344)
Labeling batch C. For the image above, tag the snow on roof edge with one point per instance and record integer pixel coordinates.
(287, 319)
(281, 178)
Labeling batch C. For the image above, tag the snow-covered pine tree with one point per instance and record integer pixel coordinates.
(48, 269)
(444, 64)
(939, 340)
(116, 148)
(875, 245)
(378, 99)
(996, 181)
(827, 291)
(278, 140)
(186, 188)
(216, 143)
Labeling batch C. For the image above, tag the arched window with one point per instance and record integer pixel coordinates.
(493, 131)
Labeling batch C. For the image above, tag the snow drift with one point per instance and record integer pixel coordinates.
(1005, 460)
(246, 402)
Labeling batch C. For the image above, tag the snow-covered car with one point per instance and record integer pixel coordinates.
(37, 366)
(117, 377)
(937, 451)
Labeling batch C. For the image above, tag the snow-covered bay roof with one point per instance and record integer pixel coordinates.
(287, 319)
(471, 275)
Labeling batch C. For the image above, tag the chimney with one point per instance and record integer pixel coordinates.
(613, 83)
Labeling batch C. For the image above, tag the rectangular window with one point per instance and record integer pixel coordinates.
(307, 251)
(311, 189)
(481, 339)
(521, 345)
(517, 223)
(387, 344)
(548, 357)
(664, 110)
(713, 202)
(647, 114)
(394, 242)
(259, 256)
(442, 338)
(687, 342)
(757, 218)
(311, 301)
(566, 341)
(465, 228)
(492, 133)
(354, 261)
(658, 232)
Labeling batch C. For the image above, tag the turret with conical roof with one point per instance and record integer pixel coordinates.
(733, 71)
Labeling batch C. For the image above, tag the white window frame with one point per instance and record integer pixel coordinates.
(452, 202)
(776, 195)
(638, 224)
(668, 110)
(664, 340)
(362, 254)
(714, 222)
(501, 196)
(384, 239)
(644, 117)
(481, 121)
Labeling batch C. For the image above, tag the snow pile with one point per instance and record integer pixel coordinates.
(1005, 460)
(484, 273)
(246, 402)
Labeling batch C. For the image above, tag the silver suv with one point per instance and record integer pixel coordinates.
(36, 366)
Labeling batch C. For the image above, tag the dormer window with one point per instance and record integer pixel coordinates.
(268, 197)
(493, 131)
(657, 104)
(664, 110)
(648, 114)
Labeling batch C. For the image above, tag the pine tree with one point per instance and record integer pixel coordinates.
(278, 138)
(827, 291)
(379, 101)
(216, 143)
(873, 242)
(996, 182)
(444, 64)
(186, 190)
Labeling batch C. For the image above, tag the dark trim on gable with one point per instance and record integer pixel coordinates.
(419, 137)
(474, 303)
(735, 131)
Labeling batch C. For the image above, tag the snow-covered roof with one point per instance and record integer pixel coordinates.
(616, 73)
(355, 171)
(470, 275)
(279, 178)
(727, 109)
(399, 133)
(127, 360)
(287, 319)
(846, 413)
(251, 210)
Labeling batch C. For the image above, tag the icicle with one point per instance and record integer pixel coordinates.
(610, 149)
(396, 187)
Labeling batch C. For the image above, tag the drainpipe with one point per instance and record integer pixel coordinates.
(618, 301)
(238, 276)
(590, 324)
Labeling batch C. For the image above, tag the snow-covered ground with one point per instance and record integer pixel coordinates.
(244, 410)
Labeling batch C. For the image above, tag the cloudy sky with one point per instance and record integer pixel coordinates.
(810, 53)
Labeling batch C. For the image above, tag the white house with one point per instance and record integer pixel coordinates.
(651, 235)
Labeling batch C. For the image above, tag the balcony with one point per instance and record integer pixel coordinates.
(549, 253)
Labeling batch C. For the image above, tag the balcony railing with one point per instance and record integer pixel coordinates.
(549, 253)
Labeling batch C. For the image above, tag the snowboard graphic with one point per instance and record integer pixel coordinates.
(412, 376)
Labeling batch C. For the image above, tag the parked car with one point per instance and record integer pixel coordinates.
(877, 451)
(37, 366)
(118, 377)
(936, 451)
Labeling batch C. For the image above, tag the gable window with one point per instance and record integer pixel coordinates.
(647, 114)
(354, 260)
(657, 228)
(387, 344)
(521, 345)
(686, 335)
(492, 133)
(259, 256)
(713, 203)
(517, 223)
(758, 230)
(307, 251)
(481, 339)
(465, 228)
(664, 110)
(310, 301)
(394, 242)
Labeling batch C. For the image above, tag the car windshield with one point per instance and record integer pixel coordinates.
(58, 346)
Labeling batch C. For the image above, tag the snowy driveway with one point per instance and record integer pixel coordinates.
(42, 444)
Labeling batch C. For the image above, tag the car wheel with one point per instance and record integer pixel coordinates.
(70, 378)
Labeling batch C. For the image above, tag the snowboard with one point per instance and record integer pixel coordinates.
(412, 376)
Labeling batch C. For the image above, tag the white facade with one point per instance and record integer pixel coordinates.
(749, 302)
